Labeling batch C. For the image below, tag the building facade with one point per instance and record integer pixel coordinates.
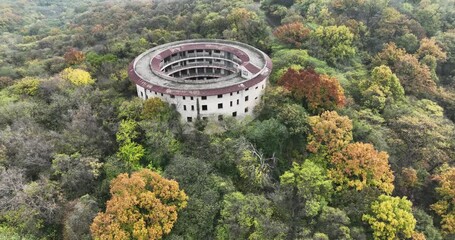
(206, 79)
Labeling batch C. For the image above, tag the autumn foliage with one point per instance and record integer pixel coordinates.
(445, 207)
(74, 56)
(292, 33)
(359, 165)
(318, 92)
(330, 132)
(414, 76)
(143, 206)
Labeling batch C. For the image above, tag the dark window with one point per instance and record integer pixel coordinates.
(205, 118)
(238, 102)
(220, 95)
(204, 97)
(156, 93)
(220, 117)
(246, 99)
(262, 86)
(256, 98)
(172, 96)
(142, 94)
(204, 107)
(192, 98)
(238, 92)
(220, 106)
(256, 87)
(183, 97)
(247, 89)
(234, 114)
(246, 109)
(189, 119)
(161, 94)
(184, 107)
(231, 94)
(192, 107)
(231, 104)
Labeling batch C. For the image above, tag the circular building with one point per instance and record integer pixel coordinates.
(203, 78)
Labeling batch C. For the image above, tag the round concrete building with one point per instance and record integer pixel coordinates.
(207, 79)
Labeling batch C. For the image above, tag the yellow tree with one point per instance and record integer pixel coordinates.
(143, 206)
(77, 77)
(359, 165)
(391, 218)
(330, 132)
(445, 207)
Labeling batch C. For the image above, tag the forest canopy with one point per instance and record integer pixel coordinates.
(354, 137)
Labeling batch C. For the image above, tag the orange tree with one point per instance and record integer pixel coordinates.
(317, 92)
(330, 133)
(143, 206)
(359, 165)
(292, 33)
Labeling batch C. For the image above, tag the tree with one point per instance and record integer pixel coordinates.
(28, 146)
(359, 165)
(445, 207)
(143, 206)
(129, 151)
(76, 174)
(205, 190)
(73, 56)
(391, 218)
(155, 109)
(77, 77)
(84, 133)
(317, 92)
(246, 27)
(429, 47)
(422, 137)
(292, 33)
(253, 166)
(269, 136)
(415, 77)
(79, 217)
(26, 86)
(330, 133)
(294, 117)
(311, 186)
(334, 43)
(334, 222)
(382, 86)
(248, 217)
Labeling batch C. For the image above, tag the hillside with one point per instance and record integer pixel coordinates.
(354, 138)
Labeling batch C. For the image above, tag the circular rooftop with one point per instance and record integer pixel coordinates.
(200, 67)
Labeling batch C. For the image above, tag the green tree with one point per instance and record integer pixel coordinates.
(334, 43)
(269, 136)
(311, 186)
(248, 217)
(382, 86)
(391, 218)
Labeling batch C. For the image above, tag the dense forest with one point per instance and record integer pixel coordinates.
(354, 138)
